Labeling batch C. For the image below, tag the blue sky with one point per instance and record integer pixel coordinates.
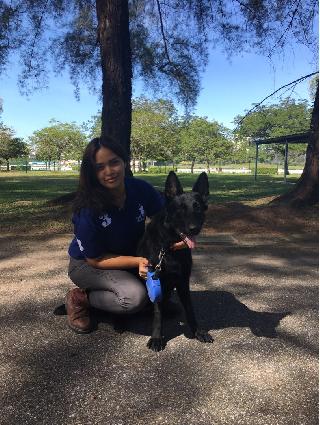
(228, 89)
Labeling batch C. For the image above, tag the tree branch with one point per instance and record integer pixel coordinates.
(276, 91)
(245, 6)
(29, 66)
(162, 32)
(286, 30)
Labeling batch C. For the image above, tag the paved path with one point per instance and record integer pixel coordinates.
(258, 297)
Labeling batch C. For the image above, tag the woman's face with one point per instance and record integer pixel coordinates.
(110, 169)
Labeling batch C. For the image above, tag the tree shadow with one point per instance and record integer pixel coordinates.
(214, 310)
(221, 309)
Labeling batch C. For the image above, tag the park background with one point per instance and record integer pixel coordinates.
(56, 121)
(255, 277)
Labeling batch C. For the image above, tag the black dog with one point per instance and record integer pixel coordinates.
(180, 220)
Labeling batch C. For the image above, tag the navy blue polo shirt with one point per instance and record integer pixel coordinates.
(116, 231)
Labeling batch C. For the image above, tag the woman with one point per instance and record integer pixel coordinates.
(109, 219)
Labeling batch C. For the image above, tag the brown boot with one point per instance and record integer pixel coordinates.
(77, 306)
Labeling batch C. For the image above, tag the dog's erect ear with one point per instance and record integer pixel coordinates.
(173, 186)
(202, 186)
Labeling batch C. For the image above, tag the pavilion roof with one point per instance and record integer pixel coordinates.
(290, 138)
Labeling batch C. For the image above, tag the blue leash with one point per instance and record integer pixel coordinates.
(153, 282)
(153, 286)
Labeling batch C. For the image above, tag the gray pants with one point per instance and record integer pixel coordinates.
(115, 291)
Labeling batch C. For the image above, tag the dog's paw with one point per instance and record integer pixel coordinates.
(203, 336)
(156, 344)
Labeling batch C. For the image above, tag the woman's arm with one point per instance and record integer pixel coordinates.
(120, 262)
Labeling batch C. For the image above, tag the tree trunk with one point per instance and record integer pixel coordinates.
(8, 165)
(192, 165)
(306, 191)
(114, 39)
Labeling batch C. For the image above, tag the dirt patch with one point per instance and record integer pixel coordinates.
(238, 218)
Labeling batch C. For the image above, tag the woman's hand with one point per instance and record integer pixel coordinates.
(143, 267)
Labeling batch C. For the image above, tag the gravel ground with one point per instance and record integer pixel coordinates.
(257, 295)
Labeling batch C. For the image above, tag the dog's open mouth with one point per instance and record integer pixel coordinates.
(188, 240)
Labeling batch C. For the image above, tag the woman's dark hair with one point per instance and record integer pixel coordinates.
(91, 194)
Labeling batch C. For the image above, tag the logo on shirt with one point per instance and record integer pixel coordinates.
(80, 245)
(141, 215)
(106, 220)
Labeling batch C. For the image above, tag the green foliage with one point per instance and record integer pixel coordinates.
(169, 40)
(242, 150)
(154, 134)
(153, 169)
(93, 126)
(58, 141)
(203, 140)
(10, 146)
(287, 117)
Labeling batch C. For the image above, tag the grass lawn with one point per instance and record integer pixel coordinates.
(24, 196)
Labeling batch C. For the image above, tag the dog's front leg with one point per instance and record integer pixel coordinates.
(156, 342)
(185, 298)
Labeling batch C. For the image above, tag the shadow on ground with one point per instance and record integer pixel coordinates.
(222, 310)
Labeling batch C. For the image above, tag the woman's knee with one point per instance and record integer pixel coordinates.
(135, 299)
(130, 299)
